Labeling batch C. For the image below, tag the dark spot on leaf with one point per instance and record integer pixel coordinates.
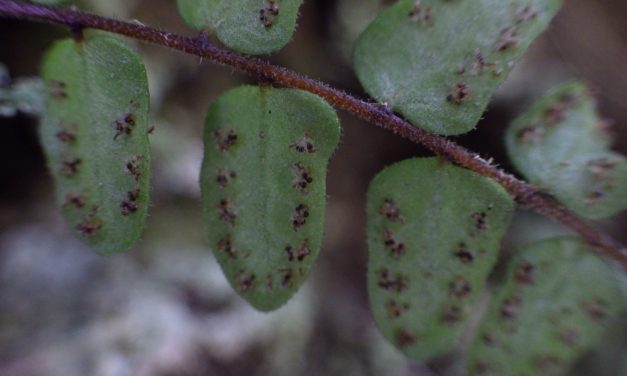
(508, 39)
(524, 273)
(225, 140)
(224, 177)
(459, 287)
(464, 254)
(526, 13)
(287, 277)
(420, 13)
(594, 195)
(568, 336)
(134, 166)
(57, 89)
(403, 338)
(480, 63)
(89, 227)
(76, 200)
(396, 309)
(262, 135)
(268, 13)
(530, 134)
(596, 309)
(459, 94)
(245, 281)
(488, 339)
(305, 145)
(511, 307)
(299, 216)
(129, 204)
(303, 177)
(225, 246)
(124, 125)
(556, 112)
(269, 282)
(480, 221)
(70, 167)
(395, 247)
(599, 167)
(67, 135)
(391, 211)
(299, 253)
(451, 313)
(398, 283)
(225, 211)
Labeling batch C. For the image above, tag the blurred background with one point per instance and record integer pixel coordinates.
(165, 308)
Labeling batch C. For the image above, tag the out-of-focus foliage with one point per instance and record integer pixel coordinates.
(562, 145)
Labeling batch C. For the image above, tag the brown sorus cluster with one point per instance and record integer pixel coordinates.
(57, 89)
(268, 12)
(75, 200)
(460, 92)
(134, 167)
(460, 287)
(89, 227)
(391, 211)
(124, 125)
(387, 282)
(298, 253)
(524, 273)
(511, 307)
(464, 254)
(67, 135)
(225, 246)
(223, 177)
(299, 216)
(396, 309)
(225, 211)
(395, 247)
(305, 145)
(287, 277)
(303, 177)
(225, 139)
(508, 39)
(129, 204)
(245, 281)
(403, 338)
(420, 13)
(70, 167)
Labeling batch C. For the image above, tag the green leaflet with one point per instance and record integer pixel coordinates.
(95, 135)
(434, 231)
(561, 145)
(263, 187)
(437, 62)
(557, 303)
(248, 26)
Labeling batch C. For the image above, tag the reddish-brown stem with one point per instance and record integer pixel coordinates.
(524, 193)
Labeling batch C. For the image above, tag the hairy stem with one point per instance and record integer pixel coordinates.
(524, 193)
